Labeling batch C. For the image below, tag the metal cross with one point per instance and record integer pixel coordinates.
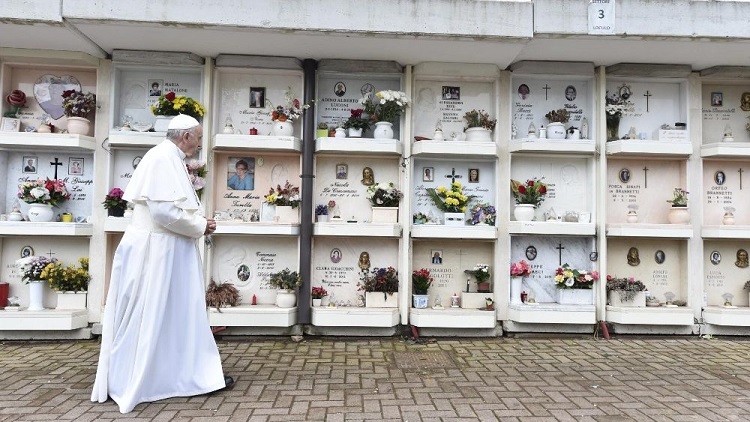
(546, 91)
(647, 94)
(559, 248)
(645, 177)
(56, 163)
(453, 176)
(740, 172)
(50, 253)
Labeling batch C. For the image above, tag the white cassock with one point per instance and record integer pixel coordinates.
(156, 341)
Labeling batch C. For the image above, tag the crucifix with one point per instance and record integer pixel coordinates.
(50, 253)
(546, 91)
(645, 177)
(453, 176)
(559, 248)
(56, 163)
(740, 172)
(647, 94)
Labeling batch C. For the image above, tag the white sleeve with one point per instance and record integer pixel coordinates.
(177, 220)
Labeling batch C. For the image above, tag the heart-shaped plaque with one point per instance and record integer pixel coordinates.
(48, 90)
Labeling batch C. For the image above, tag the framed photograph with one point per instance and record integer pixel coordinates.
(570, 93)
(29, 164)
(531, 252)
(717, 99)
(720, 177)
(75, 166)
(155, 87)
(473, 175)
(436, 256)
(10, 124)
(339, 89)
(715, 257)
(243, 272)
(27, 251)
(335, 255)
(241, 173)
(624, 175)
(524, 91)
(342, 171)
(428, 174)
(660, 256)
(257, 97)
(451, 92)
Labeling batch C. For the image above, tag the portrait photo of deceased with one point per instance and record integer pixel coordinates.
(257, 97)
(451, 92)
(428, 174)
(155, 87)
(29, 164)
(27, 251)
(624, 175)
(660, 256)
(436, 256)
(342, 171)
(531, 252)
(717, 99)
(720, 177)
(75, 166)
(335, 255)
(473, 175)
(241, 173)
(10, 124)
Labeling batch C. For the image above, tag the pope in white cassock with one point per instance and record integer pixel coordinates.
(156, 341)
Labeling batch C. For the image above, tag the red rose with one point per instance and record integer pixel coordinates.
(170, 96)
(543, 190)
(17, 98)
(295, 103)
(68, 93)
(530, 183)
(522, 189)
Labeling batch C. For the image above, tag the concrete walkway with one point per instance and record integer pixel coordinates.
(358, 379)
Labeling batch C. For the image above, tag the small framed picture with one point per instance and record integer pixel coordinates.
(29, 164)
(720, 177)
(27, 251)
(155, 87)
(451, 92)
(257, 97)
(624, 175)
(241, 173)
(339, 89)
(335, 255)
(75, 166)
(136, 161)
(428, 174)
(342, 171)
(717, 99)
(10, 124)
(473, 175)
(436, 256)
(715, 257)
(660, 256)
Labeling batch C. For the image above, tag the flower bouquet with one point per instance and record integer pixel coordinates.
(197, 172)
(286, 196)
(171, 104)
(520, 269)
(357, 122)
(383, 280)
(114, 203)
(421, 281)
(615, 106)
(77, 104)
(285, 279)
(32, 267)
(290, 111)
(450, 200)
(318, 292)
(386, 106)
(567, 277)
(483, 214)
(67, 279)
(49, 192)
(384, 195)
(680, 198)
(532, 192)
(627, 288)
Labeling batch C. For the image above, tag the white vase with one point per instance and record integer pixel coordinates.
(639, 301)
(41, 213)
(384, 214)
(556, 130)
(287, 215)
(321, 218)
(728, 219)
(575, 296)
(383, 130)
(524, 212)
(679, 215)
(573, 134)
(478, 134)
(420, 301)
(516, 287)
(316, 302)
(632, 217)
(161, 124)
(340, 133)
(36, 295)
(453, 219)
(355, 133)
(71, 300)
(286, 298)
(381, 300)
(78, 125)
(283, 128)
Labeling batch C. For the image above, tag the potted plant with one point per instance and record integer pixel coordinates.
(67, 282)
(528, 196)
(385, 108)
(557, 119)
(679, 214)
(483, 213)
(616, 104)
(380, 286)
(321, 213)
(518, 270)
(479, 126)
(420, 283)
(489, 304)
(197, 173)
(286, 199)
(624, 291)
(384, 198)
(31, 269)
(286, 282)
(283, 116)
(322, 130)
(77, 106)
(170, 104)
(356, 123)
(452, 201)
(114, 204)
(318, 293)
(221, 295)
(481, 273)
(42, 195)
(574, 286)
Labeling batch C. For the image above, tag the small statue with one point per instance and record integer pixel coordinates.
(455, 301)
(550, 215)
(728, 137)
(532, 131)
(438, 303)
(632, 134)
(360, 301)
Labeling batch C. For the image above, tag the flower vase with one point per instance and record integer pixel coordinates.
(78, 125)
(454, 218)
(285, 128)
(286, 298)
(355, 133)
(41, 213)
(516, 287)
(632, 217)
(384, 214)
(555, 130)
(613, 127)
(115, 212)
(679, 215)
(287, 215)
(383, 130)
(323, 218)
(728, 219)
(316, 302)
(575, 296)
(71, 300)
(524, 212)
(420, 301)
(381, 300)
(477, 134)
(162, 123)
(36, 295)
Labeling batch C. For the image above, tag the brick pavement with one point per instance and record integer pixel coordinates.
(357, 379)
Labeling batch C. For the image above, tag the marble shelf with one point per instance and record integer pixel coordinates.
(730, 150)
(669, 231)
(27, 141)
(636, 147)
(348, 316)
(725, 232)
(133, 139)
(27, 228)
(116, 224)
(230, 227)
(553, 146)
(257, 142)
(551, 228)
(452, 318)
(357, 229)
(453, 149)
(440, 231)
(552, 313)
(363, 146)
(253, 316)
(46, 320)
(650, 315)
(734, 317)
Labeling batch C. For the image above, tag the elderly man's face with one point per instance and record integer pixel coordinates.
(192, 141)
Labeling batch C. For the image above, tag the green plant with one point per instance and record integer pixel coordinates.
(171, 104)
(680, 198)
(747, 285)
(356, 120)
(421, 281)
(322, 125)
(379, 280)
(452, 200)
(384, 195)
(113, 200)
(479, 118)
(78, 104)
(67, 279)
(532, 192)
(558, 116)
(625, 287)
(285, 279)
(286, 196)
(481, 272)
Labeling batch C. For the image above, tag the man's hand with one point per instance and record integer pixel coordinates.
(210, 226)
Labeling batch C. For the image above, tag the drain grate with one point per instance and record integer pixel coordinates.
(423, 360)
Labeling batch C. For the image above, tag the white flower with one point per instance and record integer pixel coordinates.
(570, 282)
(588, 277)
(39, 192)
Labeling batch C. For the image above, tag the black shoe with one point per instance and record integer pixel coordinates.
(228, 382)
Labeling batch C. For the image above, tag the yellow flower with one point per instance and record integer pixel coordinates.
(558, 278)
(441, 189)
(456, 185)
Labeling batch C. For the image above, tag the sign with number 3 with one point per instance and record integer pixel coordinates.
(601, 17)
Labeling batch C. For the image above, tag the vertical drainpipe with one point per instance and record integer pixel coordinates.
(309, 67)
